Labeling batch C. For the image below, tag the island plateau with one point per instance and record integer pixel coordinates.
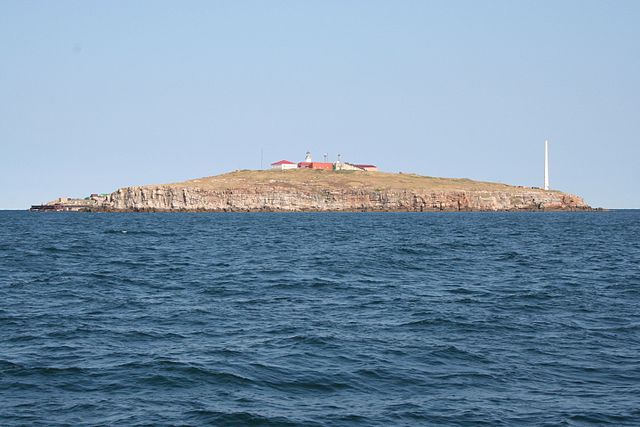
(318, 190)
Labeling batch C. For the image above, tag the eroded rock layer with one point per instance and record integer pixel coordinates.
(161, 198)
(298, 190)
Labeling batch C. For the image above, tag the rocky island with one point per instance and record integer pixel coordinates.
(315, 190)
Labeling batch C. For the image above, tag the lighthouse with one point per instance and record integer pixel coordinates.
(546, 165)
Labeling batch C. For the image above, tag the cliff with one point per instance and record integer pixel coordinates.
(317, 190)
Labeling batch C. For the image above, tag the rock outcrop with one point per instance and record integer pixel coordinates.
(161, 198)
(311, 190)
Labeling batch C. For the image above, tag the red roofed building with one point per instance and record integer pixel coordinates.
(283, 165)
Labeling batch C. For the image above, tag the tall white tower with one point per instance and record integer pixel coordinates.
(307, 158)
(546, 165)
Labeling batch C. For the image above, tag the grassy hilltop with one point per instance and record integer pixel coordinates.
(376, 181)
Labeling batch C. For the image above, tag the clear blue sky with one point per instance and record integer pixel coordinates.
(96, 95)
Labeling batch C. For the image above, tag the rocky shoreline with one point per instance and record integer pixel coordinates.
(321, 191)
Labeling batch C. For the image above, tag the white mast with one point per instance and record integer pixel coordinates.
(546, 165)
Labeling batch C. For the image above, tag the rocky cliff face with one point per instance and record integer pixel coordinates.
(313, 190)
(170, 198)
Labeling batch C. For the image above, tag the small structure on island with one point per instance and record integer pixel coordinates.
(341, 166)
(307, 161)
(368, 168)
(310, 164)
(283, 165)
(316, 165)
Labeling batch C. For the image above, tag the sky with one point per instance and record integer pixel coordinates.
(98, 95)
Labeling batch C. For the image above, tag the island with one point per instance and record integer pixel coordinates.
(309, 189)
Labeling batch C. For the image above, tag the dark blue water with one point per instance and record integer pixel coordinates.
(459, 319)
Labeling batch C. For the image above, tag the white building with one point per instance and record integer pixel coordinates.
(368, 168)
(283, 165)
(341, 166)
(307, 158)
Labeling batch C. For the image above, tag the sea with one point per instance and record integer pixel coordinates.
(320, 319)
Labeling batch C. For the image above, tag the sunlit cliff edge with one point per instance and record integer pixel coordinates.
(311, 190)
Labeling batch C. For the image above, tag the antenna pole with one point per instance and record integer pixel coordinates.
(546, 165)
(261, 159)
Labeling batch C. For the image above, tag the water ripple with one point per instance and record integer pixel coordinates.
(320, 319)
